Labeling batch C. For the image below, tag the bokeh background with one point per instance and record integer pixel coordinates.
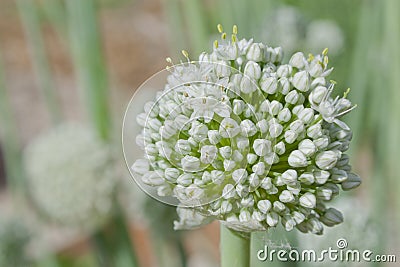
(67, 71)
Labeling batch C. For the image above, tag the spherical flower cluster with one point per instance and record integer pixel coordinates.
(242, 137)
(70, 176)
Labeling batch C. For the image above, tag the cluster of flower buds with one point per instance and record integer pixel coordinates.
(70, 176)
(243, 138)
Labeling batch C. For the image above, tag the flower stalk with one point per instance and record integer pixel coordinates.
(235, 248)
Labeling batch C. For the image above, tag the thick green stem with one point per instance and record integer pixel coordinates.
(235, 249)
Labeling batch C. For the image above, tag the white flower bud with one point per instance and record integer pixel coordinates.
(262, 125)
(297, 109)
(285, 85)
(237, 156)
(254, 181)
(286, 196)
(289, 177)
(315, 69)
(208, 154)
(265, 106)
(308, 200)
(292, 97)
(321, 142)
(306, 178)
(314, 131)
(193, 143)
(315, 226)
(251, 158)
(301, 81)
(252, 70)
(326, 160)
(229, 165)
(239, 176)
(164, 190)
(353, 180)
(332, 217)
(290, 136)
(318, 94)
(284, 115)
(248, 128)
(297, 126)
(154, 124)
(279, 206)
(185, 179)
(275, 129)
(217, 177)
(247, 202)
(258, 216)
(284, 70)
(306, 115)
(225, 152)
(259, 168)
(262, 147)
(141, 166)
(321, 176)
(324, 193)
(226, 207)
(297, 159)
(288, 223)
(338, 175)
(244, 216)
(242, 190)
(151, 109)
(298, 60)
(307, 147)
(229, 128)
(190, 164)
(242, 143)
(271, 158)
(298, 217)
(247, 85)
(169, 129)
(153, 178)
(222, 69)
(228, 191)
(264, 206)
(255, 52)
(280, 148)
(141, 119)
(171, 174)
(269, 85)
(164, 149)
(272, 219)
(214, 137)
(275, 107)
(238, 106)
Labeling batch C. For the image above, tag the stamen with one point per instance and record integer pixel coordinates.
(223, 36)
(310, 57)
(169, 60)
(204, 100)
(185, 54)
(234, 39)
(216, 43)
(346, 93)
(235, 29)
(220, 29)
(325, 52)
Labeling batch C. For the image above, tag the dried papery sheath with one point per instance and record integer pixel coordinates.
(248, 139)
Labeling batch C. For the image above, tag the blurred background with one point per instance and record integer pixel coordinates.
(67, 71)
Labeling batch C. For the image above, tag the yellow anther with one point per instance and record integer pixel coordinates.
(185, 54)
(216, 43)
(169, 60)
(234, 39)
(325, 52)
(185, 94)
(223, 36)
(326, 60)
(346, 93)
(235, 29)
(310, 57)
(333, 82)
(220, 29)
(204, 100)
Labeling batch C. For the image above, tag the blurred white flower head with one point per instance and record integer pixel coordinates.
(71, 176)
